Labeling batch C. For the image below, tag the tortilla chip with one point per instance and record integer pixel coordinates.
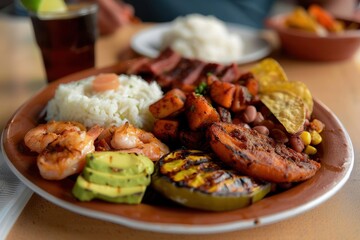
(287, 108)
(268, 71)
(295, 88)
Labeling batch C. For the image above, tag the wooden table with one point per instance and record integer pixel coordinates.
(337, 84)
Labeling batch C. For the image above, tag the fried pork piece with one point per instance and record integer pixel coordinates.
(259, 156)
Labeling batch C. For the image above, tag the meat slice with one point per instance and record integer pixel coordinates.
(138, 66)
(184, 73)
(165, 62)
(209, 68)
(259, 156)
(230, 73)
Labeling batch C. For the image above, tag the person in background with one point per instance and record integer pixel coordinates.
(247, 12)
(116, 13)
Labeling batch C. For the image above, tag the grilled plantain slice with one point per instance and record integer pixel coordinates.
(195, 179)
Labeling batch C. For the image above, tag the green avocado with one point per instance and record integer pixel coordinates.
(114, 177)
(115, 180)
(120, 163)
(86, 191)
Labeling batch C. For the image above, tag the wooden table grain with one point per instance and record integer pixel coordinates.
(336, 84)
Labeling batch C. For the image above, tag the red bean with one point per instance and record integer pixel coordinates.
(280, 127)
(296, 143)
(268, 123)
(249, 114)
(262, 129)
(258, 119)
(279, 135)
(307, 122)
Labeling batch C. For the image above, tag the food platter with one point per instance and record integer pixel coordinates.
(337, 157)
(148, 42)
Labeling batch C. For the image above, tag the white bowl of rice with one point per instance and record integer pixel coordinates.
(77, 101)
(203, 37)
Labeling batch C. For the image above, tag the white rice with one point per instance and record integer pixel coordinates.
(76, 101)
(203, 37)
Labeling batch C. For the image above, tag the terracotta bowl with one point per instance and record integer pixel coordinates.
(309, 46)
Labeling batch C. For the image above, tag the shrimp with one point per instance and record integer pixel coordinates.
(38, 138)
(257, 155)
(63, 153)
(128, 138)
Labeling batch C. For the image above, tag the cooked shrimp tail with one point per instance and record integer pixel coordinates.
(38, 138)
(62, 147)
(128, 138)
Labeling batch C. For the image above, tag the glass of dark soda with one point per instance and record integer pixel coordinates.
(66, 39)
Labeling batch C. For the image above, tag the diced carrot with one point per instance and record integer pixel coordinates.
(166, 130)
(105, 82)
(199, 112)
(211, 78)
(253, 86)
(222, 93)
(169, 105)
(322, 16)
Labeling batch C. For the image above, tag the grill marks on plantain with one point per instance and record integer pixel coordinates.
(196, 170)
(199, 180)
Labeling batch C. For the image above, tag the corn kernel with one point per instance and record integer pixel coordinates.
(310, 150)
(305, 137)
(315, 138)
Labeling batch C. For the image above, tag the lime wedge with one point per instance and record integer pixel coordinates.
(45, 5)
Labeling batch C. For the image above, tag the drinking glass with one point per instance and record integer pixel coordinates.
(66, 39)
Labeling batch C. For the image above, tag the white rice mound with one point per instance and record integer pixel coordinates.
(203, 37)
(76, 101)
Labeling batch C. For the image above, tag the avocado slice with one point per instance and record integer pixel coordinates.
(86, 191)
(114, 177)
(115, 180)
(120, 163)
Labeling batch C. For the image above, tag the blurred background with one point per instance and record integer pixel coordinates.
(22, 73)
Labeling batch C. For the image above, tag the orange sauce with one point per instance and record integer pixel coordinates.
(105, 82)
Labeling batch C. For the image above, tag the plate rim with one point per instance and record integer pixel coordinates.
(179, 228)
(137, 41)
(176, 227)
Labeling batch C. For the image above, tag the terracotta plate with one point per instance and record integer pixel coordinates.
(337, 158)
